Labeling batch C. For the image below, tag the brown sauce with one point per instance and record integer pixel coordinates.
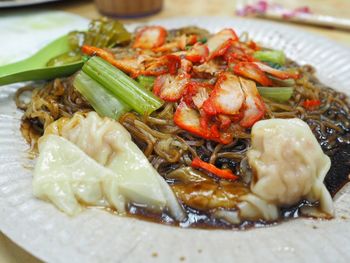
(203, 220)
(336, 178)
(339, 173)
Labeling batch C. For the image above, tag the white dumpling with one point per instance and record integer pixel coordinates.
(107, 142)
(66, 176)
(288, 164)
(254, 208)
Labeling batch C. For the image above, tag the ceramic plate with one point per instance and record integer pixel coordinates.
(97, 236)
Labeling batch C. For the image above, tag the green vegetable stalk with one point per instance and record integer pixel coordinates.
(103, 102)
(272, 56)
(146, 82)
(280, 94)
(122, 86)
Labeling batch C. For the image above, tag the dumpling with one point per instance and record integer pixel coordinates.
(64, 174)
(107, 142)
(288, 164)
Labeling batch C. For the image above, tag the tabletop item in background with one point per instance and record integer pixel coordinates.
(130, 8)
(36, 67)
(302, 14)
(62, 56)
(18, 3)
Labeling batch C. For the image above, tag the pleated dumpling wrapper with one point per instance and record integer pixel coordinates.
(288, 164)
(135, 181)
(64, 174)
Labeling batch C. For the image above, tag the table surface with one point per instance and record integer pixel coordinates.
(10, 252)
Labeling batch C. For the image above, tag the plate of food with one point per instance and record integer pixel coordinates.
(187, 139)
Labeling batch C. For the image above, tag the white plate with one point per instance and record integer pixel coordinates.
(18, 3)
(97, 236)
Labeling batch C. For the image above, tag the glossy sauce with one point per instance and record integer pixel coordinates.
(339, 173)
(203, 220)
(336, 178)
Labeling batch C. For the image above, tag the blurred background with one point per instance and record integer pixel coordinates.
(130, 11)
(185, 7)
(337, 9)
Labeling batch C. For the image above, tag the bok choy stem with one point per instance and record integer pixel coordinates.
(272, 56)
(103, 101)
(122, 86)
(280, 94)
(146, 81)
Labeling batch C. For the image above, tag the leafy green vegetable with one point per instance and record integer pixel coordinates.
(106, 33)
(102, 33)
(272, 56)
(76, 39)
(103, 101)
(280, 94)
(122, 86)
